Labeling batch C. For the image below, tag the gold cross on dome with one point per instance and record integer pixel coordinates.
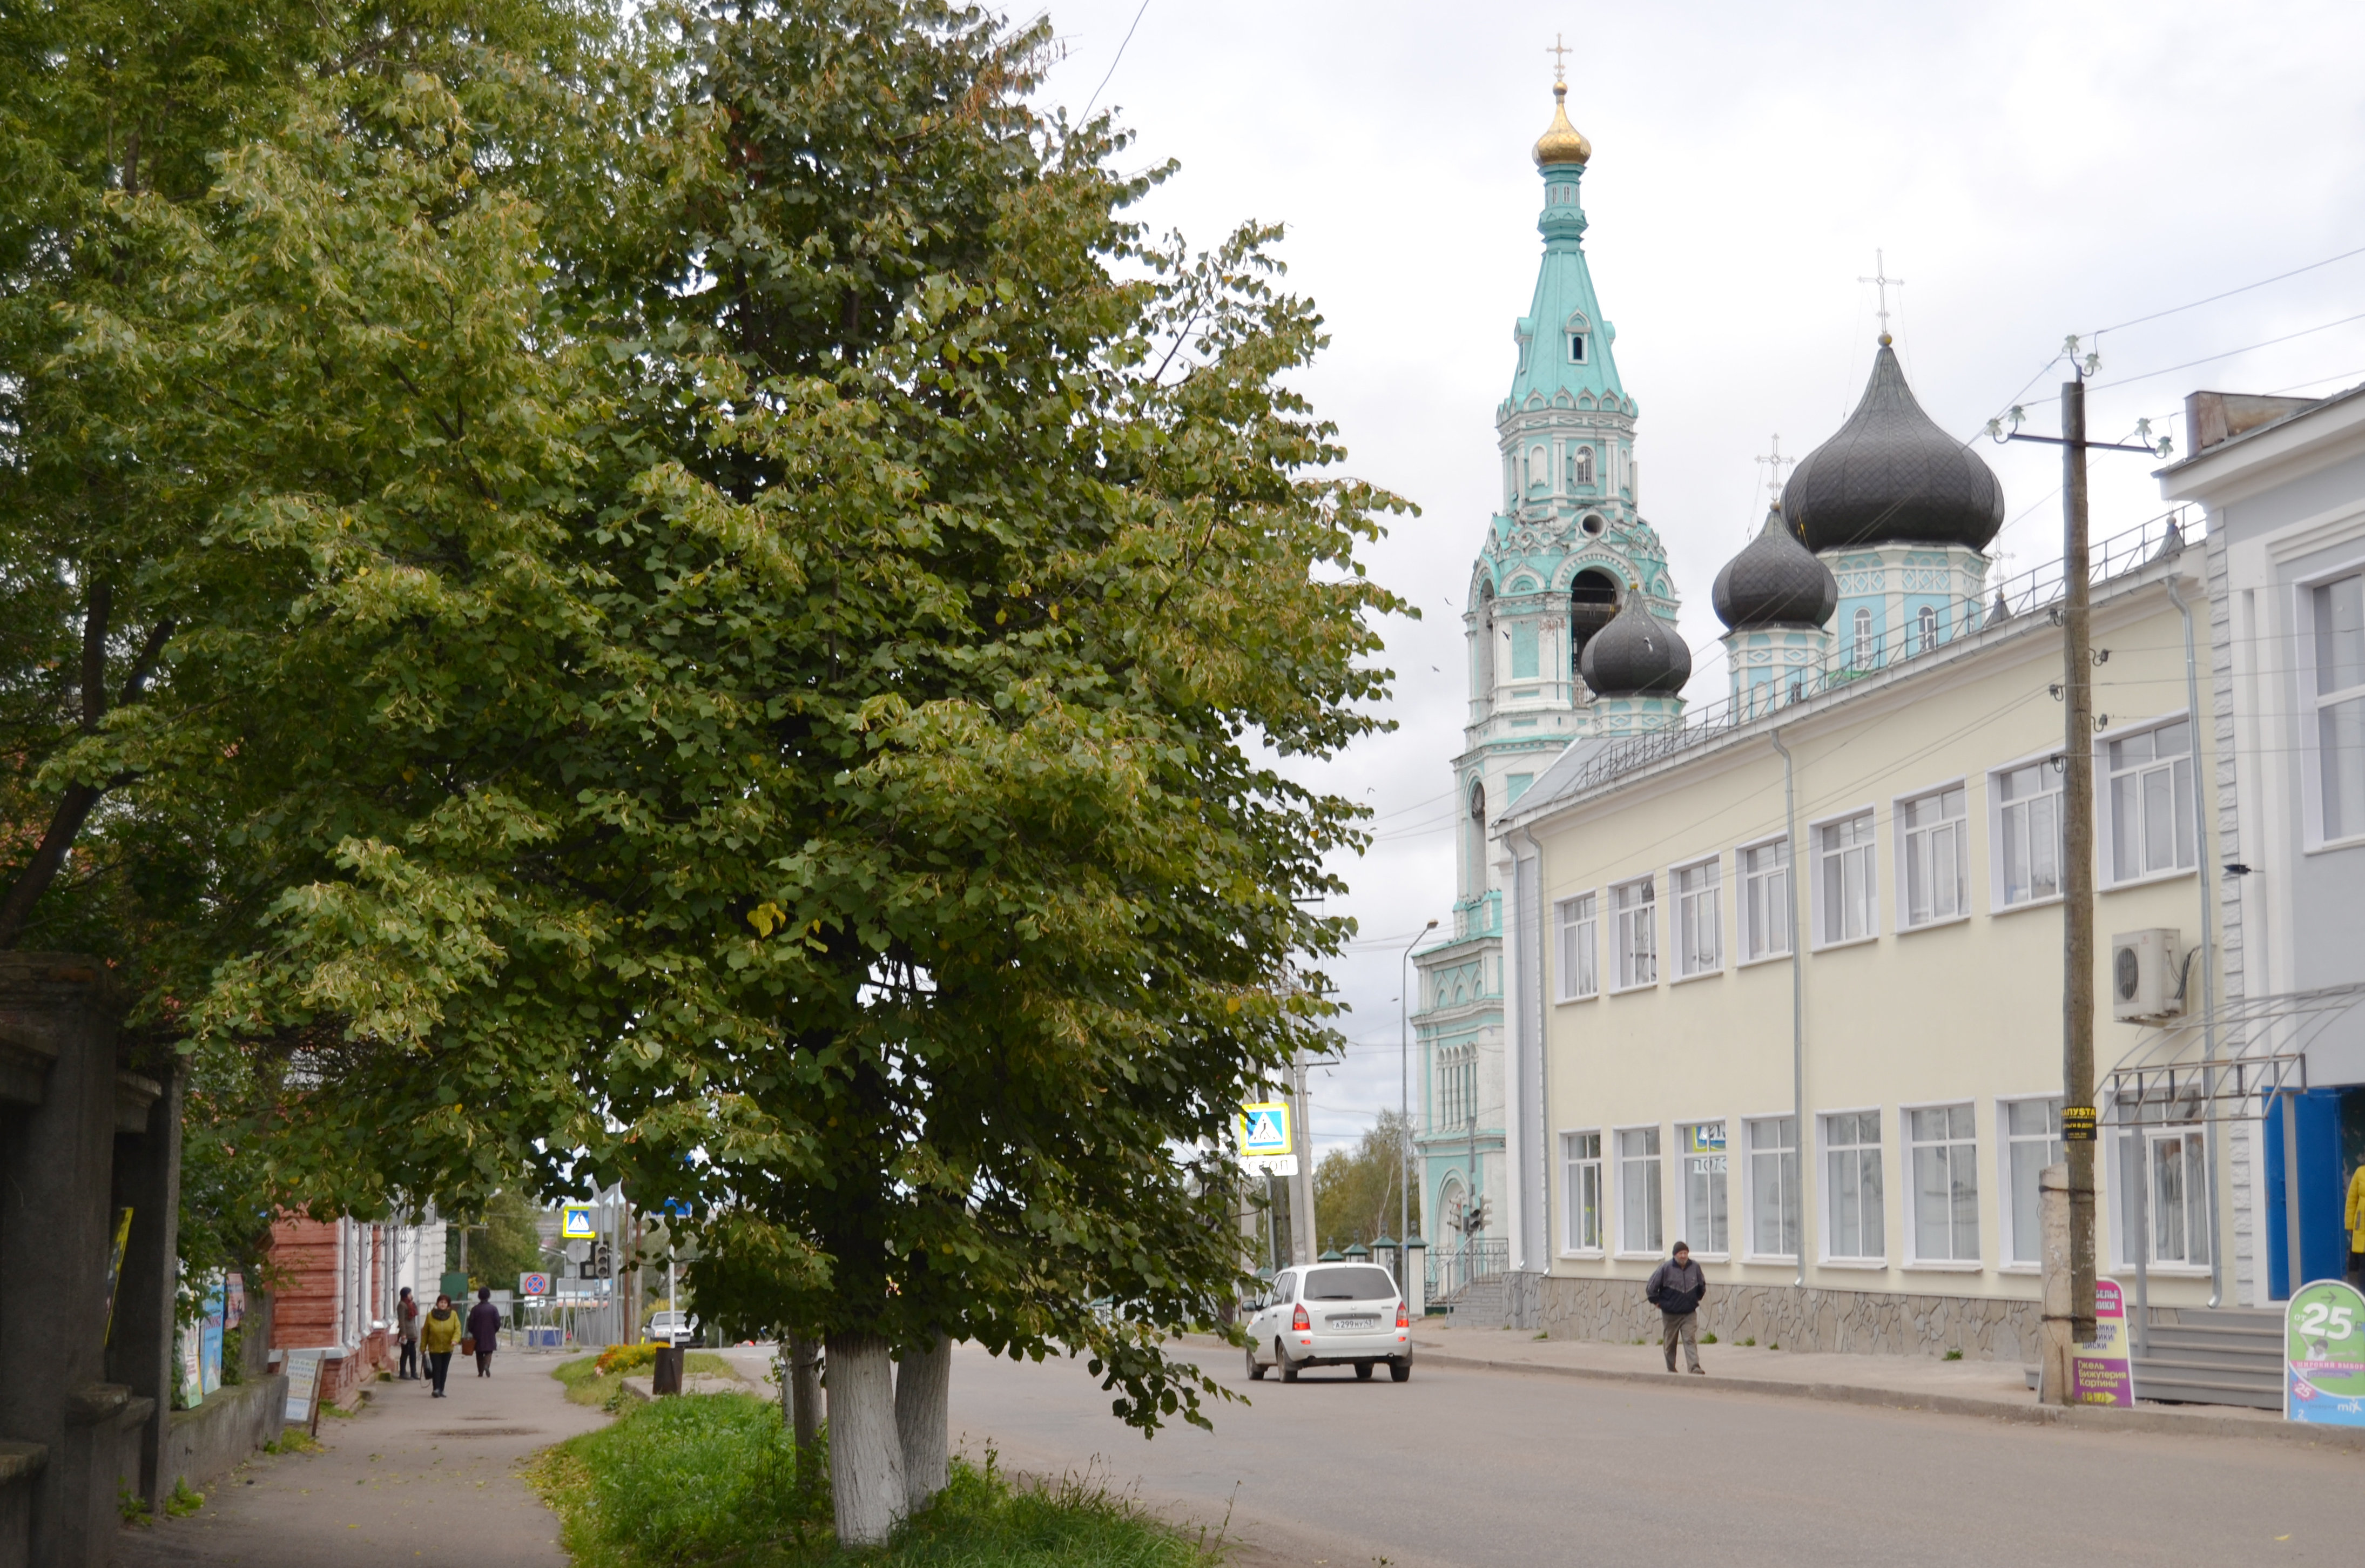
(1560, 53)
(1880, 277)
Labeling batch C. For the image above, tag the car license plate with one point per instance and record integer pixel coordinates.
(1354, 1323)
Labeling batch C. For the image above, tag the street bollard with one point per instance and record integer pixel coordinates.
(665, 1376)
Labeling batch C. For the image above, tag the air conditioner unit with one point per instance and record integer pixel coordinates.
(2146, 977)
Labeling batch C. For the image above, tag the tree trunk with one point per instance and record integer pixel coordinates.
(866, 1461)
(924, 1419)
(803, 1393)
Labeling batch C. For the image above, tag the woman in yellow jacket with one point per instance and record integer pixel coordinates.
(2355, 1220)
(438, 1336)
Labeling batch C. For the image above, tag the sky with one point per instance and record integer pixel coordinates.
(2029, 170)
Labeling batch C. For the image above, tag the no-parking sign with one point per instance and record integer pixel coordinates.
(533, 1284)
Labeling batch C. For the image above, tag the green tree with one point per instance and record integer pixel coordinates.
(505, 1241)
(762, 674)
(1359, 1192)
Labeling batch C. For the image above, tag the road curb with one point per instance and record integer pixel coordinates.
(2349, 1439)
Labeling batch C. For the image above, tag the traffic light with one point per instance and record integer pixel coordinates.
(606, 1264)
(1477, 1221)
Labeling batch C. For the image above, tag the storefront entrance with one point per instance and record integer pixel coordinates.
(2326, 1151)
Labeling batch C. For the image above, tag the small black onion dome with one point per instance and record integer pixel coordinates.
(1637, 655)
(1889, 476)
(1774, 582)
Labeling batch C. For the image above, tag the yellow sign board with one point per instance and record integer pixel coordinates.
(1264, 1129)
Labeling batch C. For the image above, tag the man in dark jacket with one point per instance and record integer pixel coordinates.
(1676, 1289)
(485, 1327)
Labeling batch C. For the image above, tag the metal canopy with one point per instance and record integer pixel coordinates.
(2262, 1045)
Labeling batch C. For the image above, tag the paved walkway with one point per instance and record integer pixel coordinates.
(1993, 1389)
(410, 1481)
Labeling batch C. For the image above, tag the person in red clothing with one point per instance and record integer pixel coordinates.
(485, 1327)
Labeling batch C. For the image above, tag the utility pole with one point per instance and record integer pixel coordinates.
(2078, 1120)
(2078, 845)
(1301, 1186)
(1403, 1062)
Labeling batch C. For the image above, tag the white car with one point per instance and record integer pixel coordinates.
(671, 1328)
(1333, 1315)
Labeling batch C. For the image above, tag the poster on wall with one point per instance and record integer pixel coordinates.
(2101, 1371)
(192, 1382)
(2324, 1355)
(209, 1336)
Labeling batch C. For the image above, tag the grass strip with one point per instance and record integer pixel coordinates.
(587, 1384)
(709, 1480)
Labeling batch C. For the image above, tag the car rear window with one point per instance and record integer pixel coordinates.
(1349, 1284)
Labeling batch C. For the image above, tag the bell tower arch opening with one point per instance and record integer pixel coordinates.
(1593, 604)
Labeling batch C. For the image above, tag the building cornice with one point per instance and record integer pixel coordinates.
(2258, 459)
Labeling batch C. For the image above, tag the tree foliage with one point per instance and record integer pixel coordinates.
(760, 669)
(1359, 1194)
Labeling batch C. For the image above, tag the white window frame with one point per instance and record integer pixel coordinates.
(1754, 1195)
(2309, 706)
(1926, 632)
(1682, 908)
(1828, 1190)
(2143, 1135)
(1576, 936)
(2106, 809)
(1684, 1158)
(1997, 805)
(1871, 881)
(1743, 879)
(1573, 1163)
(1655, 1194)
(1619, 928)
(1900, 852)
(1864, 640)
(2008, 1237)
(1915, 1257)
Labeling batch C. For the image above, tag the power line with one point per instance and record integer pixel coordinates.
(1112, 65)
(2195, 304)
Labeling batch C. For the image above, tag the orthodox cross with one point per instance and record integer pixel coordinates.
(1559, 51)
(1880, 277)
(1773, 462)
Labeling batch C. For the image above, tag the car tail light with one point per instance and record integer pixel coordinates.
(1404, 1315)
(1299, 1321)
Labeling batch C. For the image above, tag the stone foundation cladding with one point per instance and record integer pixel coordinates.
(1984, 1328)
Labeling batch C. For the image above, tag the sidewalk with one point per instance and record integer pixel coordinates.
(410, 1481)
(1996, 1389)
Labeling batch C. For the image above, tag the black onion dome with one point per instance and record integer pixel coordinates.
(1774, 582)
(1637, 655)
(1889, 476)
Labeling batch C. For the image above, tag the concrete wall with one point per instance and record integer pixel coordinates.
(1984, 1328)
(209, 1442)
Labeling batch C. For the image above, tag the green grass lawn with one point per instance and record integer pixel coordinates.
(587, 1385)
(711, 1479)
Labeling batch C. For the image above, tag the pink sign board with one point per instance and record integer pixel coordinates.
(2101, 1372)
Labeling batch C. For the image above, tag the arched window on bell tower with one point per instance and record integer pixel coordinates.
(1473, 858)
(1580, 466)
(1593, 604)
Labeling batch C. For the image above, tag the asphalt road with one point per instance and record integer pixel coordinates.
(1478, 1468)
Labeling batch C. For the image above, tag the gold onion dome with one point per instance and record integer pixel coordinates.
(1562, 142)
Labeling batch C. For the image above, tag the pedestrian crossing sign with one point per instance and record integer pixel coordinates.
(1264, 1129)
(574, 1221)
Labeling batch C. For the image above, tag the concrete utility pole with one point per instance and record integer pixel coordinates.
(1404, 1053)
(2077, 880)
(1301, 1186)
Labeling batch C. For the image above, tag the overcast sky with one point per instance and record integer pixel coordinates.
(2030, 170)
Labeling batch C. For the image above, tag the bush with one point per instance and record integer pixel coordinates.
(617, 1359)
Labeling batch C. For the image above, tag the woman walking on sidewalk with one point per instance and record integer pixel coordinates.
(484, 1329)
(438, 1334)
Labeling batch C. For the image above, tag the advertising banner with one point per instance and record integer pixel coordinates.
(303, 1387)
(2103, 1371)
(2324, 1355)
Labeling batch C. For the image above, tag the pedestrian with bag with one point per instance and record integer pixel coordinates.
(439, 1334)
(1676, 1289)
(483, 1330)
(406, 1325)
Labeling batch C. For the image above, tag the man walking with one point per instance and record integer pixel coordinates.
(406, 1323)
(1676, 1289)
(485, 1328)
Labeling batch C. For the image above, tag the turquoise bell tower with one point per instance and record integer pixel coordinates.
(1565, 551)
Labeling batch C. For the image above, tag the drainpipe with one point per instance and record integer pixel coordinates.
(1542, 1118)
(2208, 935)
(1797, 998)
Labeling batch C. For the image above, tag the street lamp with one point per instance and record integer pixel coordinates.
(1404, 1063)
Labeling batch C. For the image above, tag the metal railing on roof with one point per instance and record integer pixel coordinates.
(1855, 657)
